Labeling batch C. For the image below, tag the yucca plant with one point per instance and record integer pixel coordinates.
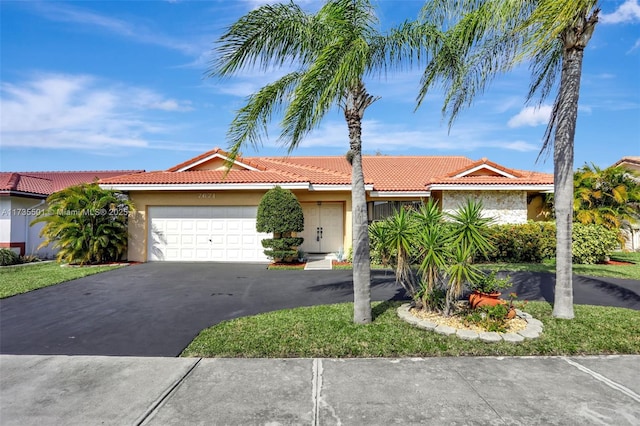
(86, 223)
(400, 230)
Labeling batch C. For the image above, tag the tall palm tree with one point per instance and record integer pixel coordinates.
(487, 37)
(332, 52)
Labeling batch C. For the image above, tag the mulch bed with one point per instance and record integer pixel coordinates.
(618, 263)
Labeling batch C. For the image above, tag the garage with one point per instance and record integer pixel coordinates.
(204, 234)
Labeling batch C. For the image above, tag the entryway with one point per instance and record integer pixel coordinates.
(323, 227)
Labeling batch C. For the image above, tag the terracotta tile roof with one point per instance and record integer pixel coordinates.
(408, 173)
(46, 183)
(204, 177)
(384, 173)
(211, 153)
(526, 178)
(483, 162)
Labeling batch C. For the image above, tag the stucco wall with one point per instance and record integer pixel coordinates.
(5, 219)
(142, 200)
(16, 215)
(503, 206)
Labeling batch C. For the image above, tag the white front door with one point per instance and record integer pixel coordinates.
(323, 227)
(204, 233)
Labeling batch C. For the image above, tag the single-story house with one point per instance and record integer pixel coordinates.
(197, 211)
(632, 234)
(629, 162)
(23, 195)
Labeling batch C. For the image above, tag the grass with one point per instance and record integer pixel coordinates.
(631, 272)
(328, 331)
(21, 279)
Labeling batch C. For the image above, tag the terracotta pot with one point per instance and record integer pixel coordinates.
(478, 299)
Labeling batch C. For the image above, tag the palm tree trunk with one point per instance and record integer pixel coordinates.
(567, 115)
(357, 101)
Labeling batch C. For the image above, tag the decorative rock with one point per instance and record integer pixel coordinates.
(529, 333)
(533, 330)
(512, 338)
(490, 336)
(445, 329)
(467, 334)
(427, 325)
(534, 322)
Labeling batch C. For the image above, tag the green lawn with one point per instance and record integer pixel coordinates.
(21, 279)
(328, 331)
(631, 272)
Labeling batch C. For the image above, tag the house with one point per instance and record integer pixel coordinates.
(631, 163)
(23, 195)
(196, 211)
(632, 234)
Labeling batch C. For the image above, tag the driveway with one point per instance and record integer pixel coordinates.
(156, 309)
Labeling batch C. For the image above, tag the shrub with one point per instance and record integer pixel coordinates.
(592, 243)
(533, 242)
(8, 257)
(527, 243)
(280, 212)
(87, 223)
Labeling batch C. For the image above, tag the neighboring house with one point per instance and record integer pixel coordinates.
(23, 195)
(196, 211)
(631, 235)
(631, 163)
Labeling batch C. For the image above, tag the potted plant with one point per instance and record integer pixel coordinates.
(485, 290)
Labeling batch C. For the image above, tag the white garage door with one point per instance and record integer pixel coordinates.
(211, 233)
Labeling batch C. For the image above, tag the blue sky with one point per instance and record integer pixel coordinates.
(93, 85)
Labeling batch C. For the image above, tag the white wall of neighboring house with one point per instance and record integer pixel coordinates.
(16, 215)
(5, 219)
(632, 238)
(503, 206)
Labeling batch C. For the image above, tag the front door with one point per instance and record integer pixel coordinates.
(323, 227)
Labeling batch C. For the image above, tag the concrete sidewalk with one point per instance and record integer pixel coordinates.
(79, 390)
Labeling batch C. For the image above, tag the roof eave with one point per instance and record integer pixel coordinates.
(400, 194)
(204, 186)
(492, 187)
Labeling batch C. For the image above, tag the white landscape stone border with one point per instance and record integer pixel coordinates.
(532, 331)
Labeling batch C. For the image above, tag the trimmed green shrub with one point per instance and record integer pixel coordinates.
(8, 257)
(280, 212)
(533, 242)
(592, 243)
(530, 242)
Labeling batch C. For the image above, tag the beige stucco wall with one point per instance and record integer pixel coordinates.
(503, 206)
(142, 200)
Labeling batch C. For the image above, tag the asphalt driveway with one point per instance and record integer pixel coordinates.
(156, 309)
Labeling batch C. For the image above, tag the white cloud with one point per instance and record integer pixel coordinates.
(79, 111)
(629, 11)
(138, 32)
(531, 116)
(391, 138)
(635, 46)
(254, 4)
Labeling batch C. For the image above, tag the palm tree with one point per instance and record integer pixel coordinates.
(86, 223)
(608, 197)
(488, 37)
(332, 52)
